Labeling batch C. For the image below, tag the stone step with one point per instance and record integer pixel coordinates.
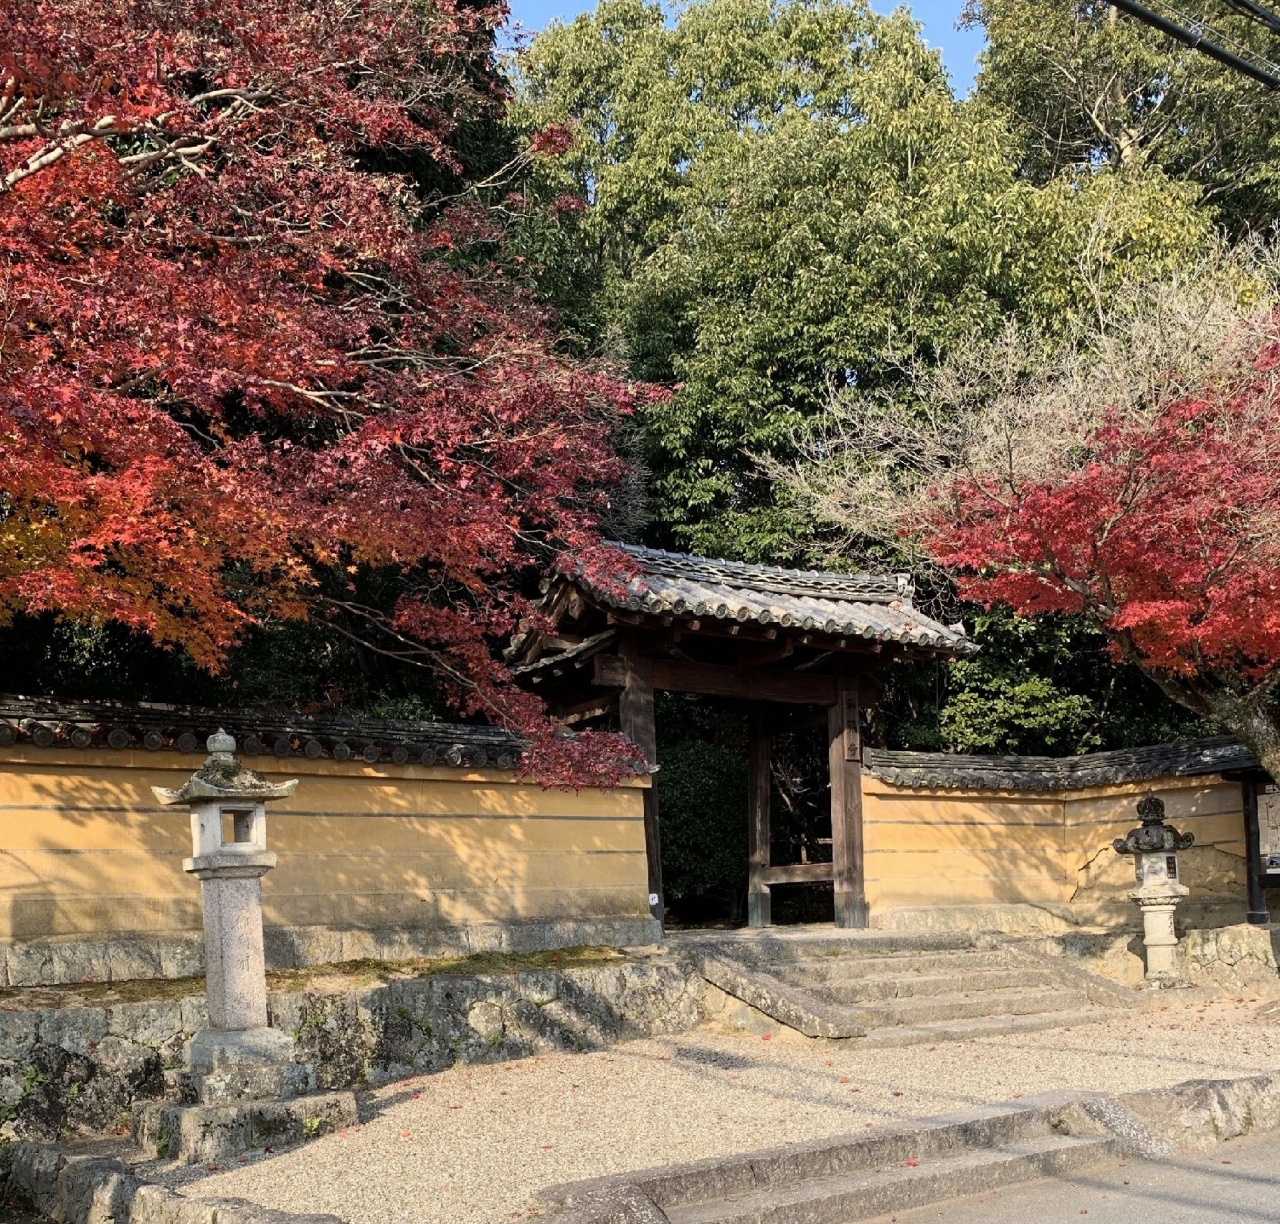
(228, 1085)
(921, 985)
(792, 1005)
(1016, 1002)
(849, 967)
(202, 1134)
(868, 1193)
(777, 946)
(984, 1026)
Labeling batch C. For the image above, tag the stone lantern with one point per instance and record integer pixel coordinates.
(1154, 846)
(229, 857)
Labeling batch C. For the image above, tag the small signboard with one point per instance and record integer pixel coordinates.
(1269, 827)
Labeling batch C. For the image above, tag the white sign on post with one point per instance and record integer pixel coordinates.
(1269, 827)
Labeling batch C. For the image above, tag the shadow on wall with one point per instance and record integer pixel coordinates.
(85, 849)
(1045, 853)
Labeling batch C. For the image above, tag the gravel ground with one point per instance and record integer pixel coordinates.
(474, 1144)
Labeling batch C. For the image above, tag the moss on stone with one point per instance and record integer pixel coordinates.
(346, 975)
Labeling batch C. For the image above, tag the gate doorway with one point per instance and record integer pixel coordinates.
(764, 638)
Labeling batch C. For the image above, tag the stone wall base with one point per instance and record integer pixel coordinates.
(1049, 918)
(87, 1190)
(124, 957)
(68, 1070)
(1223, 958)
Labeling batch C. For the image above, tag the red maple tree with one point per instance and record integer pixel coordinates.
(246, 356)
(1161, 524)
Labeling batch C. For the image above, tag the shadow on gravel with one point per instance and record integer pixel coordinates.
(714, 1058)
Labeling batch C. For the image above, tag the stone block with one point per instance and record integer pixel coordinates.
(486, 1020)
(153, 1024)
(134, 960)
(358, 945)
(537, 988)
(182, 955)
(370, 1005)
(122, 1073)
(314, 945)
(287, 1012)
(1198, 1114)
(30, 964)
(221, 1049)
(19, 1032)
(121, 1058)
(1229, 956)
(77, 1030)
(275, 1081)
(80, 961)
(197, 1134)
(195, 1013)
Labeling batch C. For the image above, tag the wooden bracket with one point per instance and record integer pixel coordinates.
(610, 671)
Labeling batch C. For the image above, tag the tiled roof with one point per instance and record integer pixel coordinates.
(943, 771)
(870, 606)
(47, 723)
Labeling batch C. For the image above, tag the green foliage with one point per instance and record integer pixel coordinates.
(786, 199)
(307, 666)
(702, 803)
(1082, 84)
(1043, 686)
(1001, 713)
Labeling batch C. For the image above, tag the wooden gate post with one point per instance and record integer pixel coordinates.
(759, 832)
(844, 761)
(635, 714)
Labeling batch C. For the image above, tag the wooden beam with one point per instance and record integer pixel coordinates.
(610, 671)
(799, 873)
(775, 653)
(1255, 895)
(844, 760)
(759, 833)
(747, 684)
(635, 716)
(581, 711)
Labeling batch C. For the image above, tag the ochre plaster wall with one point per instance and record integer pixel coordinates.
(86, 850)
(1053, 849)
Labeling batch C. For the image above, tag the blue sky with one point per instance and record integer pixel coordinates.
(959, 47)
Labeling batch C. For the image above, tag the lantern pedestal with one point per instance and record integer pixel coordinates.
(241, 1085)
(1158, 934)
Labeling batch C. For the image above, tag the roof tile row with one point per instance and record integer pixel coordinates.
(873, 607)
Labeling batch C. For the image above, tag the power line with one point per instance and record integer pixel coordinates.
(1243, 60)
(1256, 12)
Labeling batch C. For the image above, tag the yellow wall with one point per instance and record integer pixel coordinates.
(85, 848)
(943, 847)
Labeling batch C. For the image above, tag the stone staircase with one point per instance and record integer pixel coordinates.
(894, 989)
(841, 1180)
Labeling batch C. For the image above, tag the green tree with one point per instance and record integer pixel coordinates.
(1084, 85)
(1039, 686)
(785, 200)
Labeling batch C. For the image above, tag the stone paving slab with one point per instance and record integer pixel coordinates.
(1238, 1184)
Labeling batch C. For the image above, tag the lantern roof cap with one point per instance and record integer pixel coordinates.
(1152, 836)
(224, 777)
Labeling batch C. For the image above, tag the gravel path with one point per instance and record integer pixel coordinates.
(473, 1145)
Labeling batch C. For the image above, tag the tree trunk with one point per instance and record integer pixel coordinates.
(1251, 722)
(1253, 726)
